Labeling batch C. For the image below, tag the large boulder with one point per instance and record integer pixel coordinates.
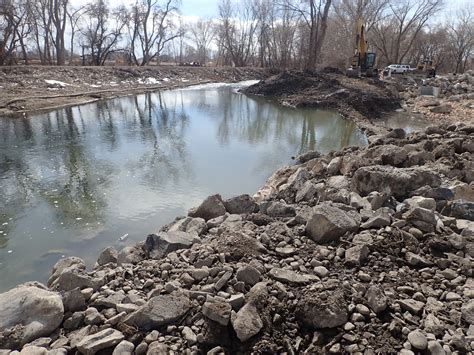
(400, 181)
(325, 309)
(241, 204)
(160, 311)
(210, 208)
(328, 222)
(158, 245)
(28, 312)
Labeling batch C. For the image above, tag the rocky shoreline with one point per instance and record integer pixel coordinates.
(367, 250)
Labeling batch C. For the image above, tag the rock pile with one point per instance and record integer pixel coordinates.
(455, 98)
(361, 251)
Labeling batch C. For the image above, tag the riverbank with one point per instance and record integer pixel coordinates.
(32, 89)
(365, 250)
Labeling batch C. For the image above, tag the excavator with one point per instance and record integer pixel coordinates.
(363, 62)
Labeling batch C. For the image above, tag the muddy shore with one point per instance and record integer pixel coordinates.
(30, 89)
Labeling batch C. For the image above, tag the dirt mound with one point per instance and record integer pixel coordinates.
(329, 89)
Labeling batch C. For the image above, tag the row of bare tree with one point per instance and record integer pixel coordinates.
(281, 34)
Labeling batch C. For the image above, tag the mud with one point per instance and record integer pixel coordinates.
(362, 100)
(29, 89)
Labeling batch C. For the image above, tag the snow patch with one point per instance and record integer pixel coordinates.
(55, 83)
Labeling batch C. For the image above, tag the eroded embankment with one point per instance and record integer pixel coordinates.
(362, 100)
(29, 89)
(364, 250)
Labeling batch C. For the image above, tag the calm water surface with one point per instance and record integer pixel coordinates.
(79, 179)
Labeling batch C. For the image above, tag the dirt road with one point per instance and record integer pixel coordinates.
(27, 89)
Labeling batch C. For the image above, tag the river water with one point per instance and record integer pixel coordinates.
(79, 179)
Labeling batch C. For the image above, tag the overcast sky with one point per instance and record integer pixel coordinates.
(208, 8)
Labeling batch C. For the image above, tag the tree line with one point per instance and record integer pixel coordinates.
(283, 34)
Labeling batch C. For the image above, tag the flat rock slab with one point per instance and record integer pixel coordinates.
(288, 276)
(159, 311)
(159, 244)
(37, 311)
(102, 340)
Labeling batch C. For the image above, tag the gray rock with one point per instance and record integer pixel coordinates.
(157, 348)
(376, 298)
(241, 204)
(217, 311)
(159, 311)
(130, 255)
(467, 312)
(210, 208)
(418, 340)
(462, 210)
(69, 273)
(246, 322)
(423, 202)
(291, 277)
(248, 274)
(356, 255)
(411, 305)
(417, 260)
(158, 245)
(189, 336)
(124, 348)
(435, 348)
(33, 350)
(102, 340)
(306, 193)
(73, 300)
(432, 324)
(334, 166)
(108, 255)
(378, 221)
(92, 316)
(421, 218)
(325, 309)
(321, 271)
(444, 108)
(400, 181)
(280, 209)
(329, 222)
(29, 312)
(190, 225)
(223, 280)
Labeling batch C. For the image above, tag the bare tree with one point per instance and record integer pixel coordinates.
(14, 30)
(314, 15)
(102, 34)
(74, 15)
(151, 28)
(58, 13)
(202, 33)
(395, 36)
(460, 32)
(236, 31)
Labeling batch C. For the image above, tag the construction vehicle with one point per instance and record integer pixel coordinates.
(427, 67)
(363, 62)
